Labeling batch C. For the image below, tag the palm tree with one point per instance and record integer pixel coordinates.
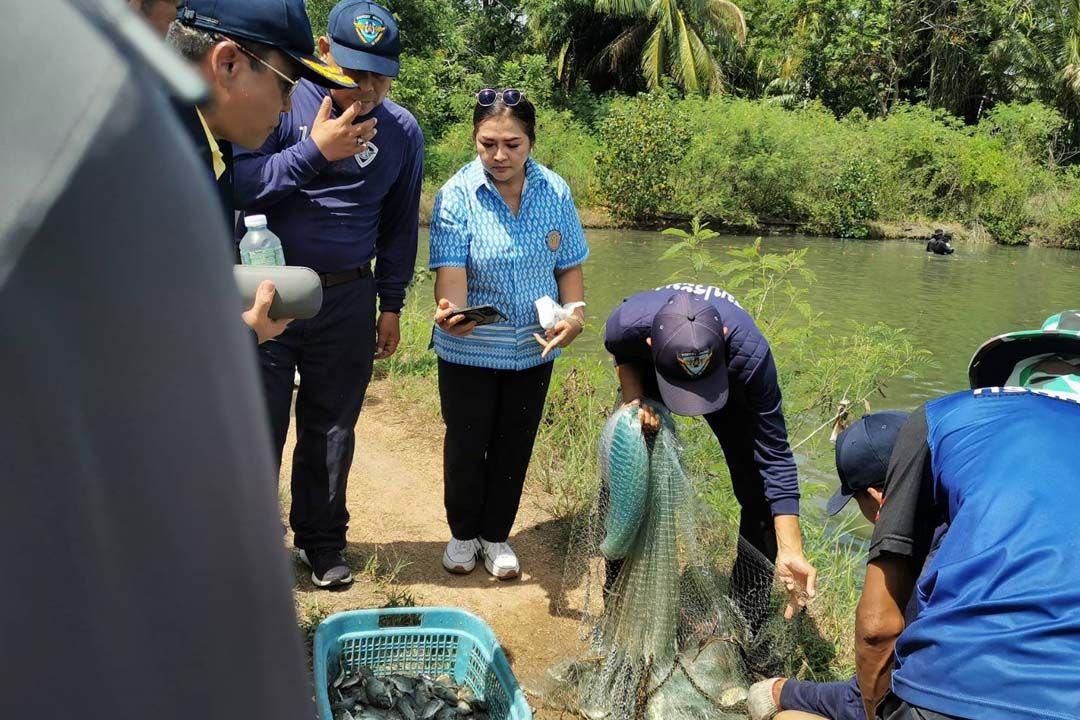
(673, 37)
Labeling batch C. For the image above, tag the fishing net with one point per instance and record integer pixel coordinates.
(671, 636)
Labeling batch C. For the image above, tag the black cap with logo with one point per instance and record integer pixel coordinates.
(364, 36)
(280, 24)
(690, 355)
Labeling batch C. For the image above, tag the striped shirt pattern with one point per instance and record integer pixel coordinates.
(510, 260)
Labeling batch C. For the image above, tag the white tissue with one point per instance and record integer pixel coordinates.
(551, 312)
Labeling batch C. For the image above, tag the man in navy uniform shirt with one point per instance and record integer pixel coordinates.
(338, 202)
(694, 347)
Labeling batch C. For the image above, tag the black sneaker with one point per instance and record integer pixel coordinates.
(328, 567)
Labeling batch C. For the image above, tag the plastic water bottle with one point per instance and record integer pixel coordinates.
(259, 246)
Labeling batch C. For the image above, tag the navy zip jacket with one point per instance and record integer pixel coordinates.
(342, 215)
(751, 374)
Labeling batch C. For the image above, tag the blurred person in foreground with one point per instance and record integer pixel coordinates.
(158, 13)
(148, 580)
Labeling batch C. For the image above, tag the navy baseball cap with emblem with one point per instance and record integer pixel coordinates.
(364, 36)
(689, 353)
(280, 24)
(862, 455)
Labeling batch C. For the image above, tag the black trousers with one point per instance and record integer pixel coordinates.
(334, 352)
(751, 579)
(491, 421)
(893, 708)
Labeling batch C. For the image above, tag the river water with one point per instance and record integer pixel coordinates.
(949, 305)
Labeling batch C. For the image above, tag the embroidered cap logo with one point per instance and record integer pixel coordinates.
(369, 28)
(694, 363)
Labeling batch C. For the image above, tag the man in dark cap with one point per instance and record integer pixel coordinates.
(338, 200)
(996, 635)
(862, 460)
(134, 497)
(252, 54)
(694, 348)
(939, 243)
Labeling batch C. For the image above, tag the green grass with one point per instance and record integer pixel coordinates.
(564, 466)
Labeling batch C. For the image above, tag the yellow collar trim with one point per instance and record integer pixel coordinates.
(215, 149)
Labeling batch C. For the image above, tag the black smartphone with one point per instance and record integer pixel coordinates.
(480, 314)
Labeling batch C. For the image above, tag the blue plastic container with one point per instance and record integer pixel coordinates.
(432, 641)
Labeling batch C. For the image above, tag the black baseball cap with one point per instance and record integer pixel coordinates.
(862, 455)
(689, 353)
(364, 36)
(280, 24)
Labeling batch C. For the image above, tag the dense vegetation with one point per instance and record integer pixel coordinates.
(826, 114)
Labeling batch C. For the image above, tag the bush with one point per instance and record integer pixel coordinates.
(850, 202)
(430, 88)
(1032, 129)
(1068, 225)
(642, 139)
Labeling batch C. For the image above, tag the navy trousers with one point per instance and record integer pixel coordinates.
(751, 578)
(334, 352)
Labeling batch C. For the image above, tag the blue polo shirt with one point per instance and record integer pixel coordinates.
(510, 260)
(996, 635)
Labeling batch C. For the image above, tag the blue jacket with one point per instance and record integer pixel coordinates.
(996, 634)
(751, 375)
(341, 215)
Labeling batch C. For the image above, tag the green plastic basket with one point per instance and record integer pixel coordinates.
(431, 641)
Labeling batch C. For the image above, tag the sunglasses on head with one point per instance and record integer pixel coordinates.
(489, 96)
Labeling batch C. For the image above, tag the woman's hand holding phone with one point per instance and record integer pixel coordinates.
(456, 325)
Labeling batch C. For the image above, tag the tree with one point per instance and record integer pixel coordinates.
(673, 37)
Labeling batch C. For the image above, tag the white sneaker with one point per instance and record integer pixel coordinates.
(759, 701)
(500, 560)
(460, 556)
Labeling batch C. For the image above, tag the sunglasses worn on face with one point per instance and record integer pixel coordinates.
(288, 85)
(489, 96)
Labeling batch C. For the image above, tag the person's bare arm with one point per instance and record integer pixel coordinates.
(451, 293)
(632, 387)
(571, 283)
(795, 572)
(879, 620)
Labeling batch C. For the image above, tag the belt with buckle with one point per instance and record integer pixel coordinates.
(329, 280)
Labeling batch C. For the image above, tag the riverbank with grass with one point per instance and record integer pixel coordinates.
(818, 370)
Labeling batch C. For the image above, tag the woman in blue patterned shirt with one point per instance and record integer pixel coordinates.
(504, 232)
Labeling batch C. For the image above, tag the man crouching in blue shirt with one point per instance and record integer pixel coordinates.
(337, 202)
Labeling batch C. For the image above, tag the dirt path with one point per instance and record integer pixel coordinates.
(395, 502)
